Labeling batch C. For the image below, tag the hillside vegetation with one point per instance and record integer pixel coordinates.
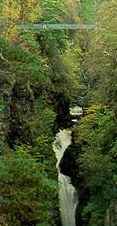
(42, 74)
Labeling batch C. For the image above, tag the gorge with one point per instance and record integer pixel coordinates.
(68, 198)
(53, 162)
(67, 192)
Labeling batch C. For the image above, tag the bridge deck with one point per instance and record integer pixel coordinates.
(57, 26)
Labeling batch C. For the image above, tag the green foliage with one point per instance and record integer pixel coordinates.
(25, 191)
(72, 68)
(56, 48)
(72, 8)
(24, 63)
(52, 11)
(101, 58)
(88, 10)
(28, 131)
(96, 134)
(42, 136)
(35, 68)
(2, 137)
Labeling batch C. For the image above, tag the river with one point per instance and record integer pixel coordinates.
(67, 193)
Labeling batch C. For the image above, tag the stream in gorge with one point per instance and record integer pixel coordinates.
(67, 194)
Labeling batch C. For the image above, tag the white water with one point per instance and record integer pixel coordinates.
(78, 111)
(67, 193)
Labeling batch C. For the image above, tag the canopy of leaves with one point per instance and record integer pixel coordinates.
(25, 192)
(96, 132)
(101, 64)
(96, 137)
(36, 68)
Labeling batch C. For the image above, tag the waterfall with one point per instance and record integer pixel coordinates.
(67, 192)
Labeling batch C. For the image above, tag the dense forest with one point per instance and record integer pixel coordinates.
(42, 74)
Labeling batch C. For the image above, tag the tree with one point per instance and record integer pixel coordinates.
(101, 58)
(18, 12)
(95, 137)
(37, 74)
(72, 7)
(26, 192)
(88, 10)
